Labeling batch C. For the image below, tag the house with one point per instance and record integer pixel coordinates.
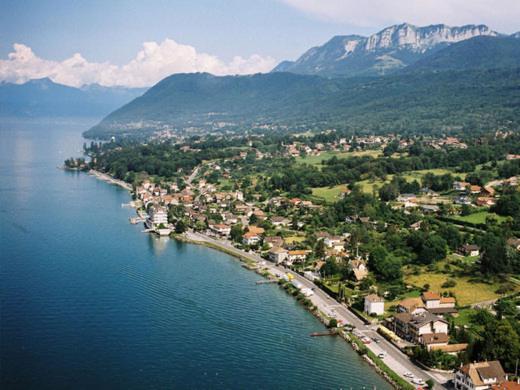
(279, 221)
(412, 327)
(469, 250)
(485, 201)
(374, 304)
(359, 269)
(479, 376)
(514, 242)
(430, 340)
(297, 255)
(255, 229)
(219, 228)
(411, 306)
(488, 191)
(475, 189)
(460, 185)
(403, 198)
(416, 226)
(273, 241)
(431, 300)
(277, 254)
(335, 243)
(250, 238)
(507, 385)
(438, 305)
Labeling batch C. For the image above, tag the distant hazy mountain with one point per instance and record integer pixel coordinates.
(392, 48)
(482, 52)
(418, 101)
(44, 98)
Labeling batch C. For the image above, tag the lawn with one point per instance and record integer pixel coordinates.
(294, 239)
(368, 186)
(318, 160)
(479, 217)
(466, 291)
(329, 194)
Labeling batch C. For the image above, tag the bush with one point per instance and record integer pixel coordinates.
(333, 323)
(449, 283)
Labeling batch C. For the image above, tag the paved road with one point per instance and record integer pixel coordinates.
(395, 359)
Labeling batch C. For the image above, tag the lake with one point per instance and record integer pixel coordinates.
(89, 301)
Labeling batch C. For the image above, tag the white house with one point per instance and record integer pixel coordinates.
(221, 229)
(374, 304)
(277, 254)
(157, 216)
(479, 376)
(250, 238)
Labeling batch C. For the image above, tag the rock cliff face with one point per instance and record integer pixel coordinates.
(390, 49)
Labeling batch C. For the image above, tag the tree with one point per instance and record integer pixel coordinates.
(499, 342)
(384, 265)
(180, 227)
(433, 249)
(319, 249)
(451, 234)
(388, 192)
(237, 232)
(494, 259)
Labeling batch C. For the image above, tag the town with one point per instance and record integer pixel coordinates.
(417, 236)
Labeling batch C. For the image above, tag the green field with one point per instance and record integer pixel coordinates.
(318, 160)
(466, 291)
(294, 239)
(329, 194)
(479, 217)
(368, 186)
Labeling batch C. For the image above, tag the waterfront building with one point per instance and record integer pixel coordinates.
(157, 216)
(374, 304)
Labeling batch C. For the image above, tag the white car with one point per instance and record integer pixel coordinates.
(417, 381)
(408, 374)
(382, 355)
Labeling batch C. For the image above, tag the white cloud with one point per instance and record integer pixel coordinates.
(502, 15)
(151, 64)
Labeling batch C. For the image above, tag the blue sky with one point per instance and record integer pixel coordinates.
(136, 43)
(114, 30)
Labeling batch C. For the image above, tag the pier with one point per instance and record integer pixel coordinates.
(269, 281)
(321, 334)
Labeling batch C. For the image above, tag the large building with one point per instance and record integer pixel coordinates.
(412, 327)
(374, 304)
(157, 216)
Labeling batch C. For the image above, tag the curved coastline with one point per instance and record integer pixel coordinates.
(272, 271)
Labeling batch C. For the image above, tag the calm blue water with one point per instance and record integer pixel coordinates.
(88, 301)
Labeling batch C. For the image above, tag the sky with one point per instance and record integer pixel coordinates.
(137, 43)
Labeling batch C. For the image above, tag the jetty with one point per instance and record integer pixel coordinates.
(327, 333)
(268, 281)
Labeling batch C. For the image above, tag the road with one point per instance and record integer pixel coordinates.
(395, 359)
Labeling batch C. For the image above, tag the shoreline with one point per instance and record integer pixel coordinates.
(375, 362)
(251, 262)
(109, 179)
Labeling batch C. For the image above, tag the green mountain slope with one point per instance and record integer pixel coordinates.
(426, 102)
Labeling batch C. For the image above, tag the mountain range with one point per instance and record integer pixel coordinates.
(44, 98)
(391, 49)
(455, 78)
(420, 102)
